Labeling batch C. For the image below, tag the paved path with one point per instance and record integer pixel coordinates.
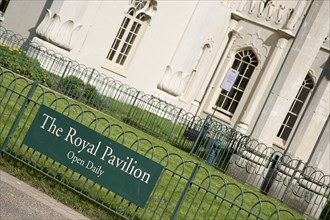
(18, 200)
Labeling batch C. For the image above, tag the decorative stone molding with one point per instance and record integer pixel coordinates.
(313, 76)
(254, 41)
(295, 15)
(177, 83)
(56, 32)
(149, 7)
(209, 42)
(206, 47)
(174, 83)
(279, 14)
(326, 43)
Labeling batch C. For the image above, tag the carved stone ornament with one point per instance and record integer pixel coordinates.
(174, 83)
(149, 7)
(254, 41)
(209, 42)
(56, 32)
(277, 13)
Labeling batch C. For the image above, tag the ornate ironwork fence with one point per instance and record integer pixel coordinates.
(289, 180)
(98, 90)
(185, 189)
(219, 145)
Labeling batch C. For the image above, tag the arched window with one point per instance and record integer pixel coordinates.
(128, 34)
(295, 108)
(245, 62)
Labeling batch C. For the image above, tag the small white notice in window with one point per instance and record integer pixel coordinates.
(229, 79)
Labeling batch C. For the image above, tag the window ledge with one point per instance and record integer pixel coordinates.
(223, 118)
(279, 143)
(115, 69)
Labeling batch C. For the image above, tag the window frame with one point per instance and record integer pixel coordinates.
(237, 87)
(294, 113)
(131, 28)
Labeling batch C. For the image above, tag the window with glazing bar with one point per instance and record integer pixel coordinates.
(296, 108)
(125, 38)
(245, 62)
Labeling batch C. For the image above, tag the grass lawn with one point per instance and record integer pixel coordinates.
(210, 189)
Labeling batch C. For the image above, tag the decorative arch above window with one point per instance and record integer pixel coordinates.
(129, 33)
(140, 4)
(296, 107)
(245, 62)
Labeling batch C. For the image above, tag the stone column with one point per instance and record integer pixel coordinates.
(297, 64)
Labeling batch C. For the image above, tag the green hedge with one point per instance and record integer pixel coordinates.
(17, 61)
(76, 88)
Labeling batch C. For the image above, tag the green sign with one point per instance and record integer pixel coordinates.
(93, 155)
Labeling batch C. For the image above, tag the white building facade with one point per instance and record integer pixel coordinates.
(182, 51)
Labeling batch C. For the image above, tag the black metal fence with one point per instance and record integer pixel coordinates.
(185, 189)
(289, 180)
(221, 146)
(93, 88)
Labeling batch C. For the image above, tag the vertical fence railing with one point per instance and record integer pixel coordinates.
(172, 127)
(132, 108)
(63, 74)
(19, 116)
(293, 176)
(149, 114)
(257, 165)
(185, 192)
(181, 183)
(143, 111)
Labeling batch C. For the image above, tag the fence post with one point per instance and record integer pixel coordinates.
(19, 116)
(130, 110)
(63, 75)
(185, 191)
(175, 121)
(87, 83)
(201, 135)
(291, 179)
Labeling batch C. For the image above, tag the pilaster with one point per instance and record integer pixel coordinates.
(264, 86)
(298, 62)
(309, 142)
